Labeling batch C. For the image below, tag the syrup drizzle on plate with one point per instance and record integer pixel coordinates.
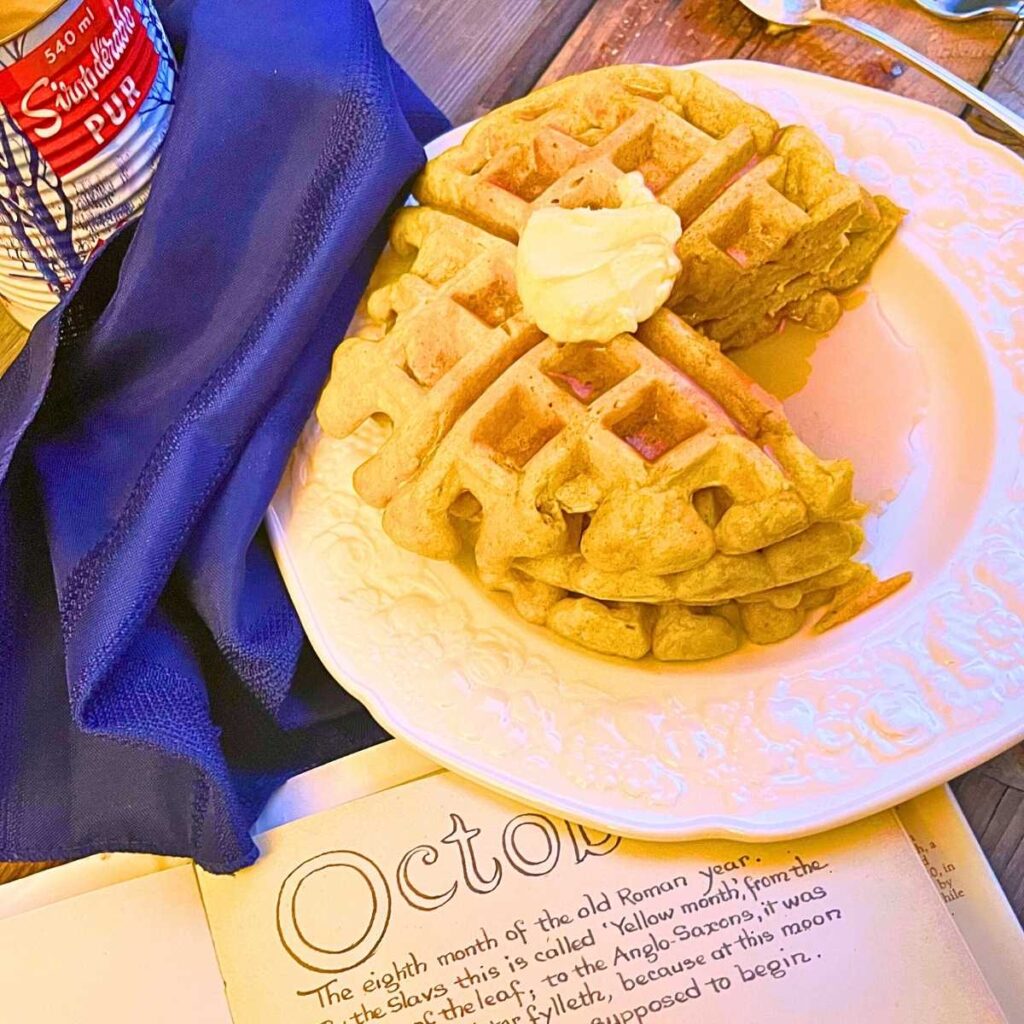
(857, 392)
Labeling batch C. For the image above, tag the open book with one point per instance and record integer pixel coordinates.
(389, 890)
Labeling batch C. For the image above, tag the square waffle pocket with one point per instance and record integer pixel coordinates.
(771, 230)
(641, 496)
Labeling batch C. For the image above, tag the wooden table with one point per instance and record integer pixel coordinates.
(471, 55)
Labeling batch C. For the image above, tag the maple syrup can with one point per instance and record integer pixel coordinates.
(86, 94)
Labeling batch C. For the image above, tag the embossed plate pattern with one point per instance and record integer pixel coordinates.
(922, 385)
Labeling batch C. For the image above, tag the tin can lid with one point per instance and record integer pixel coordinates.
(18, 16)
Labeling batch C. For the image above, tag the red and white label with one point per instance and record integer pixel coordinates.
(76, 91)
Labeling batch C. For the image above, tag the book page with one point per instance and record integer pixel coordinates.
(135, 951)
(972, 894)
(438, 902)
(80, 876)
(373, 770)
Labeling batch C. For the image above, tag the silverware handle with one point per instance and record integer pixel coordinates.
(973, 96)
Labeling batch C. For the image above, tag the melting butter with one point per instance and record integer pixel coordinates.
(588, 275)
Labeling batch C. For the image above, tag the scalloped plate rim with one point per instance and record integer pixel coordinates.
(985, 742)
(731, 826)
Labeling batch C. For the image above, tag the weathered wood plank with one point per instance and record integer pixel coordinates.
(995, 813)
(1012, 879)
(966, 48)
(1003, 841)
(460, 51)
(11, 872)
(978, 796)
(1007, 768)
(1005, 83)
(526, 65)
(1004, 833)
(675, 33)
(636, 31)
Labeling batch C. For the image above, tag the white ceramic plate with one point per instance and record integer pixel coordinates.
(921, 385)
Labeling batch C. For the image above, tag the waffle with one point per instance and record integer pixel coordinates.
(457, 310)
(771, 231)
(639, 496)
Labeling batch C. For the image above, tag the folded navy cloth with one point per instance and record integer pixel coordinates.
(154, 681)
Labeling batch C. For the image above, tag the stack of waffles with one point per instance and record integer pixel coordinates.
(640, 496)
(771, 230)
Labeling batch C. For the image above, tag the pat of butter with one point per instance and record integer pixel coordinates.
(588, 275)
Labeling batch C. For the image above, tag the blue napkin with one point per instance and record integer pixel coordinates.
(155, 683)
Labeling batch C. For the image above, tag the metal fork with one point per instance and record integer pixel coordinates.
(964, 10)
(805, 13)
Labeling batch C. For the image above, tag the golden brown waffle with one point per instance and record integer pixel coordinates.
(770, 229)
(637, 496)
(456, 310)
